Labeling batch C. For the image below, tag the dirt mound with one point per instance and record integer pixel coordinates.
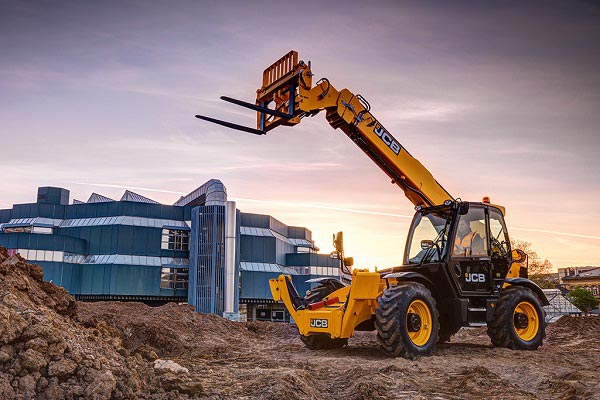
(579, 332)
(45, 353)
(589, 325)
(171, 330)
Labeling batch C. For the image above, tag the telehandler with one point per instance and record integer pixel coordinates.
(458, 268)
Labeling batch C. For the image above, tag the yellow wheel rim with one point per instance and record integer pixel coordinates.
(526, 329)
(421, 336)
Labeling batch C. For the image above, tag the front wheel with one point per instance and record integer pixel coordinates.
(407, 321)
(518, 321)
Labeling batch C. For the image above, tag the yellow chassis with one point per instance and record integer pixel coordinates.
(357, 303)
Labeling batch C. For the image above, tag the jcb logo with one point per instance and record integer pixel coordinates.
(318, 323)
(475, 278)
(387, 138)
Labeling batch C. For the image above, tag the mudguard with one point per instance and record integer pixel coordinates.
(410, 277)
(323, 281)
(530, 285)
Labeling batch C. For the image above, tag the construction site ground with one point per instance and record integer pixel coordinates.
(53, 347)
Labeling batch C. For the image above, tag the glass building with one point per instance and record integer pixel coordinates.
(201, 250)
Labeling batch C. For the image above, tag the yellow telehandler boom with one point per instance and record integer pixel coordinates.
(458, 268)
(287, 88)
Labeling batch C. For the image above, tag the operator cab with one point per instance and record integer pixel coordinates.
(469, 240)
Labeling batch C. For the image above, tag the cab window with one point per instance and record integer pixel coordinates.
(498, 238)
(470, 239)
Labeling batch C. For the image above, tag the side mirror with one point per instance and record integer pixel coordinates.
(519, 256)
(426, 244)
(463, 208)
(348, 261)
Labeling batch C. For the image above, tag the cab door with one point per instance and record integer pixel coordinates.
(470, 263)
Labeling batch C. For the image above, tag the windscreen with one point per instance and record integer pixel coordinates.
(432, 227)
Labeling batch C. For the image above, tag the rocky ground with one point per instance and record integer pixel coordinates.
(52, 347)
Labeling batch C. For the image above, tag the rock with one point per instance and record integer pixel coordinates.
(4, 357)
(77, 391)
(38, 344)
(11, 323)
(62, 368)
(21, 283)
(42, 384)
(54, 392)
(6, 390)
(8, 349)
(57, 349)
(101, 387)
(147, 352)
(12, 260)
(164, 366)
(193, 388)
(35, 330)
(27, 386)
(11, 300)
(33, 360)
(123, 351)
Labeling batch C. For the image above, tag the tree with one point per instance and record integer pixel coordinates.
(546, 281)
(583, 299)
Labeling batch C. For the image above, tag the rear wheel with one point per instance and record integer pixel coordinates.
(407, 321)
(321, 291)
(322, 342)
(518, 321)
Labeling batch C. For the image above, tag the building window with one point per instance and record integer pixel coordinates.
(595, 290)
(175, 239)
(174, 278)
(43, 230)
(42, 255)
(18, 229)
(29, 229)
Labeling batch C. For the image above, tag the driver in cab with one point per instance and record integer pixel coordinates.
(467, 242)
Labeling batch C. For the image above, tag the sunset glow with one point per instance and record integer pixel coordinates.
(491, 102)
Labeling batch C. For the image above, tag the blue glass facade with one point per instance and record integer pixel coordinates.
(137, 249)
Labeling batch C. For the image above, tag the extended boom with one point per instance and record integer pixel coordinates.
(287, 88)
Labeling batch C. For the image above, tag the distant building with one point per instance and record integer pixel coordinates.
(584, 277)
(201, 250)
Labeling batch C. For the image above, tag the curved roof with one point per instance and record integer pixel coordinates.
(211, 193)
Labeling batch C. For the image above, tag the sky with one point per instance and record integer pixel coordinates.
(498, 99)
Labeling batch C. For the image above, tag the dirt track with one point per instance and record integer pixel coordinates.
(265, 360)
(54, 348)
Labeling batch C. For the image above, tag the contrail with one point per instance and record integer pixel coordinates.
(555, 232)
(326, 207)
(321, 206)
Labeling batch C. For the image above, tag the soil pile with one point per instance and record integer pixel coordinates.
(53, 348)
(47, 353)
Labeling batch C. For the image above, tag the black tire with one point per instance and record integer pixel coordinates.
(392, 321)
(319, 292)
(322, 342)
(503, 329)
